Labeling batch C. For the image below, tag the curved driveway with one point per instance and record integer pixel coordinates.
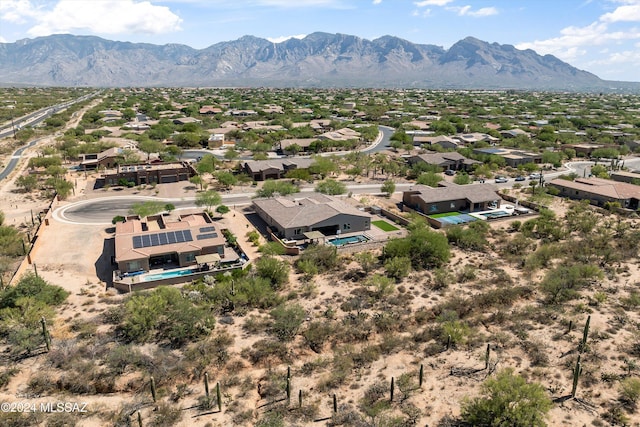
(101, 211)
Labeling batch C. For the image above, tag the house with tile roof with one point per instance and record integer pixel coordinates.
(448, 160)
(599, 191)
(450, 197)
(141, 244)
(291, 217)
(260, 170)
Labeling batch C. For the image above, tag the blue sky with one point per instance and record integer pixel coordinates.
(600, 36)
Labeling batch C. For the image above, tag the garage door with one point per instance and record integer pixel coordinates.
(170, 178)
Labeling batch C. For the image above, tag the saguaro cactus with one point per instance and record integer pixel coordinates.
(421, 375)
(577, 370)
(288, 390)
(139, 419)
(45, 333)
(393, 386)
(585, 335)
(335, 404)
(487, 356)
(153, 389)
(206, 384)
(299, 398)
(219, 396)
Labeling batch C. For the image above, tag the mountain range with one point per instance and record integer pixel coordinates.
(318, 60)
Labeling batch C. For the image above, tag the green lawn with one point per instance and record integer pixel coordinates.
(441, 215)
(384, 226)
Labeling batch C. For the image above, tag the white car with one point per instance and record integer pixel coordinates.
(535, 176)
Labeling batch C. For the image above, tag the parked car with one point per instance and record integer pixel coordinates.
(535, 176)
(519, 178)
(500, 179)
(450, 172)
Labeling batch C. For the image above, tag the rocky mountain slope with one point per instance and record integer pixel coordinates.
(318, 60)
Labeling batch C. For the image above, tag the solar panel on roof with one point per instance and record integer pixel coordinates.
(206, 236)
(206, 229)
(163, 238)
(187, 235)
(146, 241)
(137, 242)
(155, 240)
(171, 237)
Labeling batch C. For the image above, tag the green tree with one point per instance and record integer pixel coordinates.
(388, 187)
(27, 182)
(226, 179)
(149, 146)
(208, 198)
(429, 178)
(462, 178)
(331, 187)
(144, 209)
(271, 188)
(508, 400)
(323, 166)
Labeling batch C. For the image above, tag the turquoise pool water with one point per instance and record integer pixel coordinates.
(168, 274)
(341, 241)
(495, 214)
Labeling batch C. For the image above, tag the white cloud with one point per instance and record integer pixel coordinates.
(628, 13)
(3, 40)
(96, 16)
(285, 38)
(467, 11)
(424, 3)
(377, 1)
(572, 38)
(299, 3)
(16, 11)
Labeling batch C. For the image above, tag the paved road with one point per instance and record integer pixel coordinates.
(15, 157)
(32, 120)
(380, 144)
(101, 211)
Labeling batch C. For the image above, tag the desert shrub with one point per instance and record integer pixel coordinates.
(472, 237)
(424, 247)
(324, 257)
(397, 267)
(366, 260)
(164, 314)
(166, 415)
(375, 400)
(543, 256)
(35, 287)
(546, 227)
(630, 391)
(254, 237)
(307, 267)
(11, 241)
(537, 352)
(508, 400)
(317, 334)
(467, 274)
(286, 321)
(565, 282)
(266, 349)
(274, 270)
(382, 286)
(237, 294)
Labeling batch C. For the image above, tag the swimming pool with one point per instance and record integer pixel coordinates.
(495, 214)
(167, 275)
(341, 241)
